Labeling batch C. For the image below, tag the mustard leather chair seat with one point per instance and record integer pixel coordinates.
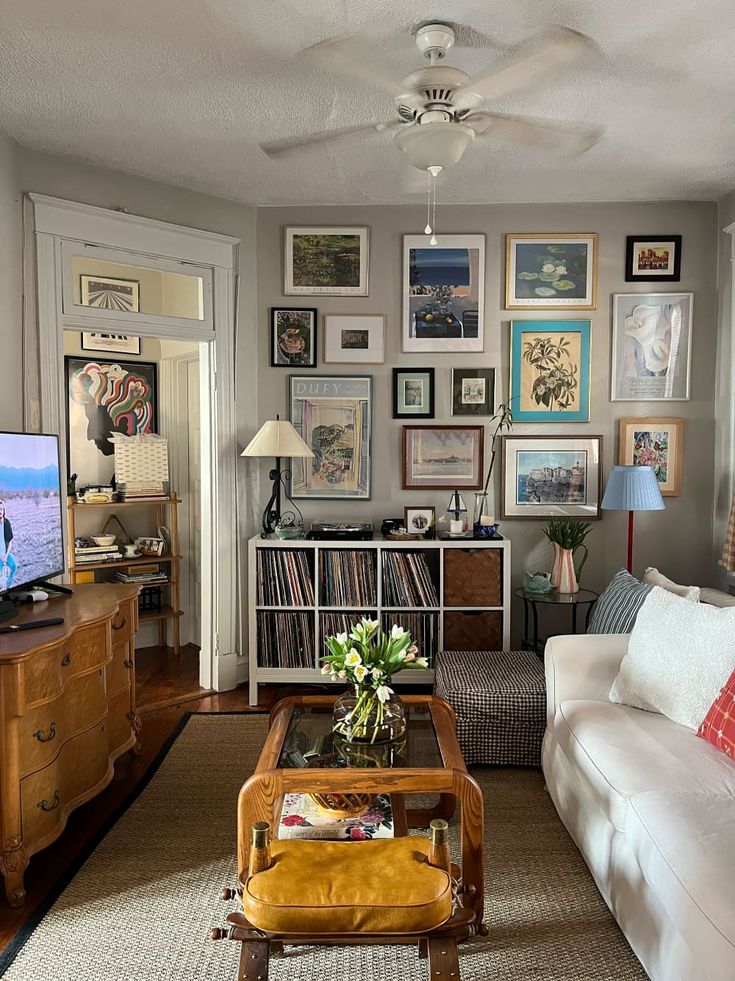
(382, 886)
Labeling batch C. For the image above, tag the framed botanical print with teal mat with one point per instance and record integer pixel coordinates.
(550, 370)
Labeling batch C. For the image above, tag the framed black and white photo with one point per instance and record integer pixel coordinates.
(651, 347)
(326, 261)
(551, 476)
(413, 393)
(354, 338)
(119, 343)
(653, 259)
(293, 337)
(473, 391)
(107, 293)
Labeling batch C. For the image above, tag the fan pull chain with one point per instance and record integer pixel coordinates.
(433, 239)
(427, 230)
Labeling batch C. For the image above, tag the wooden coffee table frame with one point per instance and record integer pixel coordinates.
(261, 797)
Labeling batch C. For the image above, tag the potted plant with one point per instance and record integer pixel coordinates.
(566, 536)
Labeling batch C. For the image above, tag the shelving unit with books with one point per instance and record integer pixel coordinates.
(451, 594)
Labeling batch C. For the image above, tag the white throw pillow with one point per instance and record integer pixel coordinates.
(680, 654)
(654, 578)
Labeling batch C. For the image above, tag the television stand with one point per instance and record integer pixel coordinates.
(8, 610)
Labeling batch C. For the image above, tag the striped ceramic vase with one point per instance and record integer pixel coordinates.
(563, 575)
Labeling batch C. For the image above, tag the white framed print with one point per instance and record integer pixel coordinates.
(326, 261)
(551, 272)
(121, 343)
(354, 338)
(651, 347)
(551, 476)
(443, 293)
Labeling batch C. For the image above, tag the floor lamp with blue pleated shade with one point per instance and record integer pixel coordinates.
(632, 489)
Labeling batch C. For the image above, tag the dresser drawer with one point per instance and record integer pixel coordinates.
(46, 674)
(47, 796)
(119, 670)
(48, 726)
(120, 732)
(123, 624)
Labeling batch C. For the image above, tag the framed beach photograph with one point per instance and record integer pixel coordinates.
(442, 457)
(651, 347)
(473, 391)
(420, 521)
(550, 272)
(413, 393)
(656, 443)
(119, 343)
(293, 337)
(550, 370)
(653, 259)
(443, 293)
(551, 476)
(326, 261)
(106, 293)
(333, 416)
(354, 338)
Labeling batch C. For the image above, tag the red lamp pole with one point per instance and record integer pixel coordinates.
(630, 542)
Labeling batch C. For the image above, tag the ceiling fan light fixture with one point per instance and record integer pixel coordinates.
(434, 144)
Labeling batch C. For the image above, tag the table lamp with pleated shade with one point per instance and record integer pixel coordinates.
(632, 489)
(276, 438)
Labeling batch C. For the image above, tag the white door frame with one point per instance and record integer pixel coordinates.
(58, 222)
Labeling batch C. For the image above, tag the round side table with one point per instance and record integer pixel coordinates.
(583, 598)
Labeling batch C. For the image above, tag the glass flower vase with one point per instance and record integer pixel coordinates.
(359, 716)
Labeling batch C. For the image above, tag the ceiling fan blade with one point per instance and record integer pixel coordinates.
(349, 57)
(536, 60)
(284, 148)
(548, 133)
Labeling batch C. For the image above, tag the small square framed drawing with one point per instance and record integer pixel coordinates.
(413, 393)
(651, 347)
(442, 457)
(419, 521)
(656, 443)
(293, 337)
(107, 293)
(653, 259)
(473, 391)
(326, 261)
(550, 370)
(550, 272)
(354, 338)
(551, 476)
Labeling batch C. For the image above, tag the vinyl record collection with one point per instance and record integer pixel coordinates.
(285, 640)
(348, 578)
(284, 578)
(407, 580)
(423, 627)
(338, 623)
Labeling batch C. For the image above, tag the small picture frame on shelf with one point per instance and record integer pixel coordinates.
(354, 338)
(413, 393)
(653, 258)
(473, 391)
(293, 337)
(420, 521)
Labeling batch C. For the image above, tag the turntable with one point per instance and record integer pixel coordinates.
(356, 531)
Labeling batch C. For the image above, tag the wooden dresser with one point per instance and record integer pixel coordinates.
(67, 711)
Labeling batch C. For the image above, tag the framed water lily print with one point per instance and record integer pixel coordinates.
(550, 370)
(651, 347)
(551, 272)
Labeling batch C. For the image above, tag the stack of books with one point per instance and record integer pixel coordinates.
(142, 574)
(89, 554)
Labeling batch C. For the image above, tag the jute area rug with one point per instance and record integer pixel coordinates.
(142, 904)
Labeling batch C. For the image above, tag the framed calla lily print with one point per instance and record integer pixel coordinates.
(550, 370)
(551, 272)
(651, 347)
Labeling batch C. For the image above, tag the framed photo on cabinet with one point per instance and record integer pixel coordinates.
(326, 261)
(656, 443)
(653, 259)
(442, 457)
(551, 476)
(551, 272)
(550, 370)
(413, 393)
(651, 347)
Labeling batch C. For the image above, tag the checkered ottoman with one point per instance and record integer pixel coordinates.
(500, 701)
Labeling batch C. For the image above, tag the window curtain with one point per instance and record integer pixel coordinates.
(728, 550)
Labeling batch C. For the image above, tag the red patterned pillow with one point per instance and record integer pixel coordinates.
(718, 727)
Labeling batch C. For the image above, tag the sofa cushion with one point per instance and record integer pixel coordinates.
(718, 725)
(715, 597)
(622, 751)
(680, 654)
(652, 577)
(684, 843)
(616, 610)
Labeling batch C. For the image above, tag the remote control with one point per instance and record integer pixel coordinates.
(31, 625)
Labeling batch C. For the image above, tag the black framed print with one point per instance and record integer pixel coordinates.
(653, 259)
(413, 393)
(473, 391)
(293, 337)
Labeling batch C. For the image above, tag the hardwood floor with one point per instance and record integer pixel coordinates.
(163, 678)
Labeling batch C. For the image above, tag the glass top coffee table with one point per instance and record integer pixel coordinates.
(298, 757)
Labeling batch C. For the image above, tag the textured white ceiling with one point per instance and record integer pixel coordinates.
(183, 91)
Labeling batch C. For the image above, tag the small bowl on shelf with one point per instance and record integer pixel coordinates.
(103, 540)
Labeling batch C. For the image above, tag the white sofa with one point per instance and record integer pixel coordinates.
(650, 806)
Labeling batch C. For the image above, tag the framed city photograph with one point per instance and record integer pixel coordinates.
(420, 521)
(473, 391)
(413, 393)
(293, 337)
(326, 261)
(550, 272)
(651, 347)
(442, 457)
(93, 340)
(332, 414)
(656, 443)
(550, 370)
(354, 338)
(551, 476)
(653, 259)
(443, 293)
(106, 293)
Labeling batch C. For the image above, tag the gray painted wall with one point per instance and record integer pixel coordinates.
(11, 403)
(677, 540)
(724, 434)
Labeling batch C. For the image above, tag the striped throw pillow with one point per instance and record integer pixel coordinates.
(617, 608)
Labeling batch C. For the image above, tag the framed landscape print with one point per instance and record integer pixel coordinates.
(443, 293)
(332, 414)
(550, 272)
(120, 343)
(473, 391)
(293, 337)
(326, 261)
(354, 338)
(106, 397)
(106, 293)
(551, 476)
(656, 443)
(442, 457)
(653, 259)
(651, 346)
(413, 393)
(550, 370)
(419, 521)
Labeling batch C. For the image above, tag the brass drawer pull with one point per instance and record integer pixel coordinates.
(66, 660)
(38, 734)
(119, 626)
(128, 663)
(45, 806)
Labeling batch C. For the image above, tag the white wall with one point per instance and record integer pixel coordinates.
(11, 335)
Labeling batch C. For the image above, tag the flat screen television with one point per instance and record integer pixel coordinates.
(31, 534)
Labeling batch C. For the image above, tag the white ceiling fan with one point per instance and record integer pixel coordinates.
(440, 108)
